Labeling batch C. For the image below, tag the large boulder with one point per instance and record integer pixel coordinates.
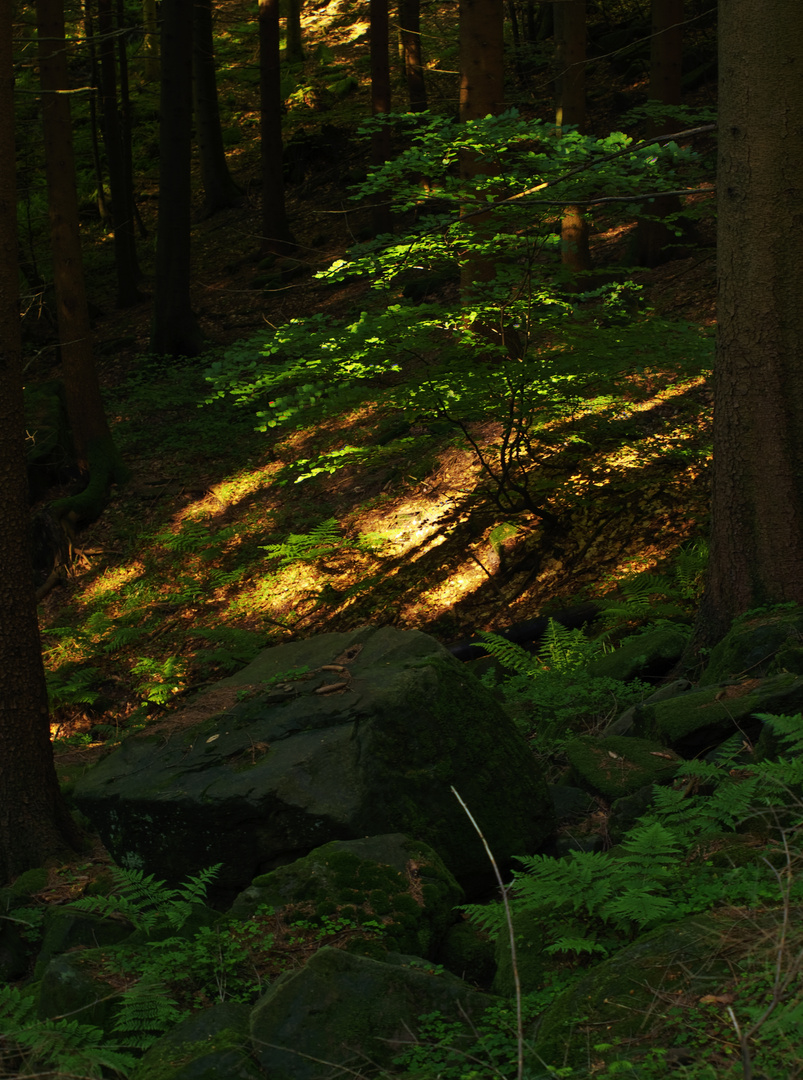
(343, 1012)
(338, 737)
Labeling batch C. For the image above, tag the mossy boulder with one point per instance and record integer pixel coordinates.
(616, 766)
(757, 645)
(67, 929)
(19, 918)
(698, 721)
(342, 1010)
(392, 881)
(643, 656)
(74, 985)
(339, 737)
(210, 1045)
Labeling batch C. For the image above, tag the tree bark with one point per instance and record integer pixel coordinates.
(95, 452)
(380, 106)
(294, 49)
(125, 254)
(276, 235)
(757, 495)
(175, 330)
(150, 23)
(570, 94)
(482, 91)
(410, 27)
(653, 237)
(35, 824)
(220, 189)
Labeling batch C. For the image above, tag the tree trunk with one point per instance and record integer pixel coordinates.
(653, 237)
(570, 94)
(757, 495)
(380, 106)
(276, 235)
(294, 49)
(482, 91)
(125, 116)
(175, 330)
(104, 210)
(94, 447)
(35, 824)
(125, 254)
(220, 190)
(410, 27)
(151, 44)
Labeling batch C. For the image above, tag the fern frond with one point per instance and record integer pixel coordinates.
(510, 655)
(146, 1012)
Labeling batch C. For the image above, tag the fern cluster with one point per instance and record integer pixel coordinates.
(663, 870)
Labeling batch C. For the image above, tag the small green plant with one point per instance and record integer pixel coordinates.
(33, 1047)
(148, 903)
(71, 685)
(161, 680)
(319, 543)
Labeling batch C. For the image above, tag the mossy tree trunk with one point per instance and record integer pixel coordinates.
(94, 447)
(35, 824)
(757, 493)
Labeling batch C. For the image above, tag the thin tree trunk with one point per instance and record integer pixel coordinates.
(94, 447)
(380, 106)
(35, 824)
(175, 330)
(410, 28)
(100, 187)
(294, 50)
(570, 87)
(482, 89)
(276, 235)
(125, 119)
(122, 198)
(220, 189)
(151, 49)
(757, 493)
(653, 237)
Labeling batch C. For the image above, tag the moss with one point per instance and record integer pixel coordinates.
(619, 765)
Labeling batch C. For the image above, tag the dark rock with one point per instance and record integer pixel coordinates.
(294, 765)
(617, 765)
(342, 1011)
(643, 656)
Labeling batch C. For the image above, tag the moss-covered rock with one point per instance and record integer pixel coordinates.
(643, 655)
(72, 985)
(65, 929)
(757, 645)
(695, 722)
(345, 1010)
(369, 740)
(399, 883)
(210, 1045)
(619, 765)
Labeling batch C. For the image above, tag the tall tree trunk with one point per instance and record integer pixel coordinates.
(125, 116)
(94, 447)
(570, 88)
(35, 824)
(100, 188)
(410, 27)
(482, 91)
(220, 190)
(125, 253)
(294, 49)
(757, 496)
(380, 106)
(276, 235)
(666, 63)
(175, 330)
(151, 25)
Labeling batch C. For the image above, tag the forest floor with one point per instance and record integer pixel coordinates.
(172, 588)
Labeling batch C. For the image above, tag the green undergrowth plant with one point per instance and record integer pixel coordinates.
(324, 540)
(669, 864)
(551, 694)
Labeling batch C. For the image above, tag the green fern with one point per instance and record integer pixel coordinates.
(61, 1046)
(510, 655)
(147, 903)
(325, 539)
(146, 1011)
